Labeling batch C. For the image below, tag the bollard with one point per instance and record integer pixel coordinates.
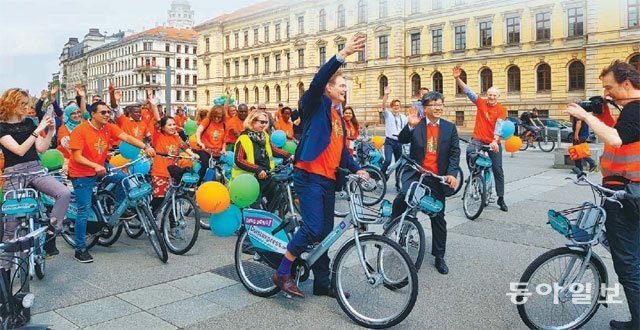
(559, 138)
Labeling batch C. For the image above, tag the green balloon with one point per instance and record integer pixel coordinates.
(1, 196)
(232, 101)
(290, 147)
(244, 190)
(52, 158)
(190, 127)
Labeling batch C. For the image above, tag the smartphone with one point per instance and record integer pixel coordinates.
(49, 110)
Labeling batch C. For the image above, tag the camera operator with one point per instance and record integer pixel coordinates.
(620, 165)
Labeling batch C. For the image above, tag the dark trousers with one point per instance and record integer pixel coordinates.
(317, 202)
(496, 159)
(391, 147)
(438, 223)
(204, 162)
(587, 159)
(623, 233)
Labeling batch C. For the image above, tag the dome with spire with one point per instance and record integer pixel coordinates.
(180, 15)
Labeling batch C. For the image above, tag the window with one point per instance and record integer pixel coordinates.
(543, 26)
(543, 73)
(256, 34)
(178, 48)
(382, 8)
(228, 67)
(545, 114)
(383, 46)
(513, 30)
(415, 85)
(382, 83)
(147, 46)
(340, 18)
(436, 41)
(178, 95)
(362, 56)
(362, 11)
(635, 61)
(576, 76)
(278, 93)
(195, 83)
(459, 118)
(167, 61)
(186, 49)
(207, 72)
(463, 77)
(256, 65)
(195, 64)
(300, 89)
(512, 113)
(246, 67)
(266, 34)
(246, 38)
(513, 79)
(485, 34)
(236, 37)
(186, 96)
(438, 82)
(277, 57)
(576, 22)
(256, 94)
(322, 55)
(167, 47)
(277, 38)
(415, 6)
(300, 24)
(236, 65)
(266, 94)
(186, 63)
(288, 30)
(195, 51)
(186, 79)
(633, 9)
(288, 61)
(236, 92)
(322, 20)
(206, 94)
(178, 63)
(415, 43)
(486, 80)
(266, 64)
(300, 58)
(246, 95)
(460, 37)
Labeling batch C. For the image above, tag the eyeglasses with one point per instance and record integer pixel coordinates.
(436, 106)
(262, 108)
(263, 122)
(104, 112)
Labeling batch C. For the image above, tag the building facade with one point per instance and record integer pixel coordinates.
(539, 53)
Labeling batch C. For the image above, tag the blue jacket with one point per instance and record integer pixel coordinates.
(315, 118)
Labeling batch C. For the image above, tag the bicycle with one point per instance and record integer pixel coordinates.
(219, 170)
(399, 168)
(15, 305)
(138, 196)
(572, 268)
(479, 185)
(546, 143)
(180, 222)
(367, 263)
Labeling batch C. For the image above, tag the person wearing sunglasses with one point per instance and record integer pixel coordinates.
(254, 152)
(89, 144)
(21, 141)
(210, 137)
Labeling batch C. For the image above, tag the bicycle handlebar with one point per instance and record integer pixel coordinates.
(418, 168)
(43, 171)
(177, 156)
(615, 195)
(23, 243)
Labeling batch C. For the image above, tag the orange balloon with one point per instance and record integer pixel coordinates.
(185, 163)
(512, 144)
(118, 160)
(213, 197)
(378, 142)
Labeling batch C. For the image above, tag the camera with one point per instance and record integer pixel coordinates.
(594, 104)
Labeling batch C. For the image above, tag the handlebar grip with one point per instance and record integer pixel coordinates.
(340, 170)
(54, 169)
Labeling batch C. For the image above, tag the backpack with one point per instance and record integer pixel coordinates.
(525, 116)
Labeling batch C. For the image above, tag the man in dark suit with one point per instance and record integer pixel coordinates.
(435, 146)
(321, 151)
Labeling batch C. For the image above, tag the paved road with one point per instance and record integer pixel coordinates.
(128, 288)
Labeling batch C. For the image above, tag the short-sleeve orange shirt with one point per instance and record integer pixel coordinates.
(94, 144)
(486, 119)
(236, 124)
(137, 129)
(166, 144)
(213, 135)
(286, 127)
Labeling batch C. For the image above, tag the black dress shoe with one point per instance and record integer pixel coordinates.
(502, 204)
(441, 266)
(622, 325)
(329, 292)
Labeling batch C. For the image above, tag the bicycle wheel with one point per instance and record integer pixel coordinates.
(342, 207)
(372, 303)
(133, 227)
(546, 143)
(151, 227)
(525, 143)
(410, 237)
(374, 189)
(108, 202)
(22, 274)
(460, 178)
(557, 310)
(68, 234)
(474, 197)
(255, 267)
(180, 225)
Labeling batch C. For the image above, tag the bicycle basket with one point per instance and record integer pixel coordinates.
(136, 187)
(584, 228)
(361, 212)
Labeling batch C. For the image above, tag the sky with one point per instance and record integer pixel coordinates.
(33, 32)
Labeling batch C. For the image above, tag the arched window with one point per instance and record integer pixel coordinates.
(256, 95)
(513, 79)
(266, 94)
(415, 85)
(543, 73)
(246, 95)
(206, 95)
(300, 90)
(362, 11)
(486, 80)
(635, 61)
(463, 77)
(278, 93)
(576, 76)
(322, 20)
(438, 82)
(236, 92)
(382, 83)
(340, 17)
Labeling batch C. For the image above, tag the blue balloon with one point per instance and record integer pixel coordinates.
(128, 151)
(279, 138)
(226, 222)
(142, 167)
(508, 128)
(228, 158)
(218, 101)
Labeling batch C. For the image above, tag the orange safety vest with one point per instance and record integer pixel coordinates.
(623, 161)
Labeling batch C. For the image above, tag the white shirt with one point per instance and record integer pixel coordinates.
(393, 124)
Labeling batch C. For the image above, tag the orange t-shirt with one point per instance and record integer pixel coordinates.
(94, 144)
(213, 135)
(63, 131)
(233, 123)
(166, 144)
(137, 129)
(352, 132)
(329, 159)
(431, 153)
(486, 119)
(286, 127)
(180, 120)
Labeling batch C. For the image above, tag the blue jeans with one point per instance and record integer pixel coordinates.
(317, 203)
(83, 188)
(391, 147)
